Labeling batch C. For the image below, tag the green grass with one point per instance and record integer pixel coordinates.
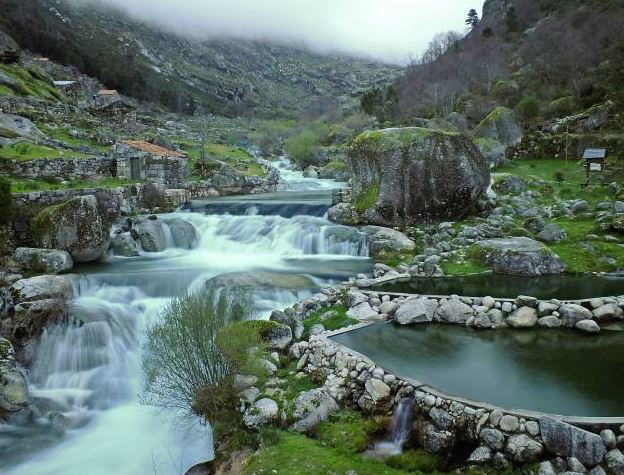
(29, 81)
(468, 266)
(367, 199)
(236, 157)
(348, 431)
(334, 322)
(545, 170)
(25, 186)
(64, 136)
(26, 151)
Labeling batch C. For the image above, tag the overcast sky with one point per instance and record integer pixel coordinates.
(390, 30)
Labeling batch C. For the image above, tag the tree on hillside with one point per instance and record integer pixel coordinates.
(473, 18)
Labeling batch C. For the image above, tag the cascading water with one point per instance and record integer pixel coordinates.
(400, 430)
(86, 379)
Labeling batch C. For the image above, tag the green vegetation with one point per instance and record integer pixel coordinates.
(349, 431)
(28, 81)
(332, 318)
(237, 158)
(24, 186)
(64, 136)
(367, 199)
(192, 355)
(25, 151)
(465, 267)
(303, 146)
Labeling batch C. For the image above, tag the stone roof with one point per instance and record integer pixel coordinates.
(153, 149)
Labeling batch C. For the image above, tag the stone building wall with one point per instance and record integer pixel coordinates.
(171, 172)
(92, 168)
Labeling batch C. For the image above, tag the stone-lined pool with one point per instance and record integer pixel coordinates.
(557, 371)
(562, 287)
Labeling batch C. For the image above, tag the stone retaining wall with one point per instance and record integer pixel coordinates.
(480, 433)
(62, 169)
(128, 199)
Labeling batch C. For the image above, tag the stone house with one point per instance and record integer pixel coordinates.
(140, 160)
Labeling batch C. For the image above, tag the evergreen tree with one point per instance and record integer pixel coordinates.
(473, 18)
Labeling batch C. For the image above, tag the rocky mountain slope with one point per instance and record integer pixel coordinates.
(544, 58)
(225, 76)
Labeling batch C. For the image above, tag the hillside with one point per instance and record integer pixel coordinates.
(224, 76)
(545, 59)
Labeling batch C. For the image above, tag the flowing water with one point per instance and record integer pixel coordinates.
(87, 378)
(399, 431)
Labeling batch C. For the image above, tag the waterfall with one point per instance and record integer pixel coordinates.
(400, 430)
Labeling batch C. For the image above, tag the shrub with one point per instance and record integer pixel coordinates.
(529, 109)
(191, 358)
(303, 148)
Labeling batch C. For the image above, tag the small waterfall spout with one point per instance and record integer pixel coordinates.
(400, 430)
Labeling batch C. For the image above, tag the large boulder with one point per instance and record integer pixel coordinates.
(518, 256)
(570, 441)
(76, 226)
(184, 233)
(42, 287)
(387, 239)
(43, 260)
(151, 234)
(13, 388)
(492, 150)
(409, 175)
(311, 408)
(502, 125)
(124, 245)
(17, 126)
(343, 213)
(453, 311)
(417, 310)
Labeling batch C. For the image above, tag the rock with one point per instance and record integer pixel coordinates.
(451, 173)
(495, 316)
(518, 256)
(13, 388)
(493, 438)
(294, 321)
(433, 440)
(509, 423)
(151, 234)
(311, 172)
(317, 329)
(76, 226)
(615, 462)
(546, 468)
(511, 184)
(549, 322)
(522, 449)
(552, 234)
(277, 335)
(441, 418)
(261, 413)
(249, 395)
(418, 310)
(535, 224)
(377, 389)
(453, 311)
(43, 260)
(42, 287)
(313, 407)
(388, 308)
(575, 466)
(571, 314)
(608, 312)
(488, 302)
(32, 317)
(502, 125)
(362, 311)
(481, 455)
(492, 150)
(244, 381)
(588, 326)
(569, 441)
(597, 471)
(546, 308)
(123, 245)
(387, 239)
(608, 438)
(343, 213)
(532, 428)
(524, 301)
(18, 126)
(184, 233)
(524, 317)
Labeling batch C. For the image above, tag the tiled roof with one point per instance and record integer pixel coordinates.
(153, 149)
(107, 92)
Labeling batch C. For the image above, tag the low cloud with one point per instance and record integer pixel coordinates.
(389, 30)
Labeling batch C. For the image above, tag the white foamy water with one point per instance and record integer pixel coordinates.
(87, 372)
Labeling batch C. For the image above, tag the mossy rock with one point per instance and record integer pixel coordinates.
(259, 281)
(502, 125)
(403, 176)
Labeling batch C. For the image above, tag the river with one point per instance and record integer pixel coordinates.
(87, 377)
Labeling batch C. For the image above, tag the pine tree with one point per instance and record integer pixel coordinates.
(473, 18)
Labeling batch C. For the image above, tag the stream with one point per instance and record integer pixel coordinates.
(87, 378)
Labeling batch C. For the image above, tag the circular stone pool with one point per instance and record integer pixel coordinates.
(562, 287)
(553, 371)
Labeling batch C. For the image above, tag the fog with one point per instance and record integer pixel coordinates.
(389, 30)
